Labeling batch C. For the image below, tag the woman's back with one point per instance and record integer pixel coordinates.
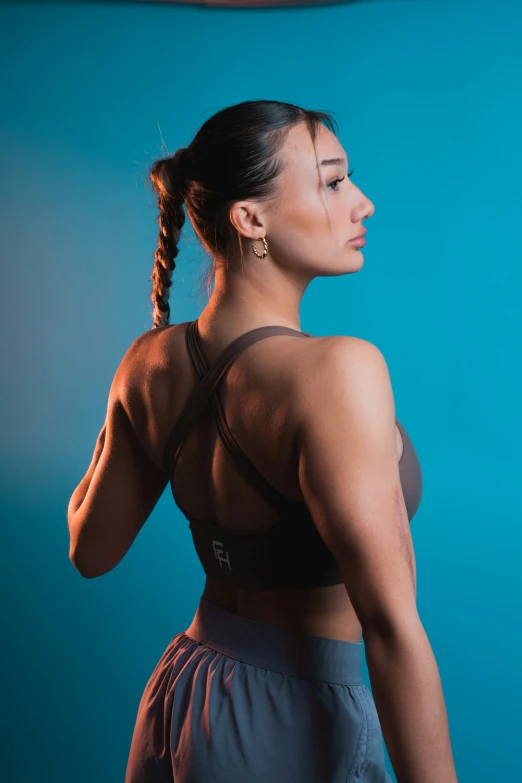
(261, 395)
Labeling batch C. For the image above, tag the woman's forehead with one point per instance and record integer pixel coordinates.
(301, 165)
(299, 148)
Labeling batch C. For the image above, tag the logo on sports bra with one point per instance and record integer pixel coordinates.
(218, 554)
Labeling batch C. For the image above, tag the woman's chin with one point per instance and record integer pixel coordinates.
(356, 257)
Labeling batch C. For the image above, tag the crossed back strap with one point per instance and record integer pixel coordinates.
(207, 392)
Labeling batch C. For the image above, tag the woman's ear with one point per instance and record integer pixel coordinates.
(245, 218)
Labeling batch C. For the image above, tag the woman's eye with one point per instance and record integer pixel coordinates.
(339, 179)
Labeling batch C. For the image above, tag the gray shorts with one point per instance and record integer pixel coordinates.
(232, 700)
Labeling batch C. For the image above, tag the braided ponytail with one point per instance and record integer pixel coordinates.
(166, 176)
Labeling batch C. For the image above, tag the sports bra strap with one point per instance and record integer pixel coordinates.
(201, 396)
(280, 502)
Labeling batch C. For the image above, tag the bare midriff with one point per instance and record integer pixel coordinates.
(319, 611)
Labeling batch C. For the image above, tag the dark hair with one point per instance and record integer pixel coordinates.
(233, 156)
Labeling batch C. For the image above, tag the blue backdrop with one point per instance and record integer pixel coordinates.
(427, 95)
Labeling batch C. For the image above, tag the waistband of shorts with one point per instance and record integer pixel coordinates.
(276, 649)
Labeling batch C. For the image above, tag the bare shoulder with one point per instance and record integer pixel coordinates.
(148, 370)
(344, 347)
(337, 362)
(147, 381)
(155, 346)
(153, 354)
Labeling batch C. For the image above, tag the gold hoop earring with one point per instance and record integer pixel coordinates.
(265, 251)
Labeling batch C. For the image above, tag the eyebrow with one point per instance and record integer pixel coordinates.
(333, 162)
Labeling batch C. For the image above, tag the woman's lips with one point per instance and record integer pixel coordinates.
(359, 242)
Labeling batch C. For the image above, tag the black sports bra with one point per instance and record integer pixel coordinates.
(290, 553)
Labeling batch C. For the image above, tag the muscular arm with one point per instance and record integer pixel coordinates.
(350, 479)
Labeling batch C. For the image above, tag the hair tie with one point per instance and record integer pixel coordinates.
(176, 169)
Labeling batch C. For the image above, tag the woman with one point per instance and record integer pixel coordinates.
(284, 453)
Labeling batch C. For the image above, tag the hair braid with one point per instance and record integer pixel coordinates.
(167, 180)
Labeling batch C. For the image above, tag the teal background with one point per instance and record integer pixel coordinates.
(427, 96)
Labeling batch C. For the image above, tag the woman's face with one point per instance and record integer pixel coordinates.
(299, 234)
